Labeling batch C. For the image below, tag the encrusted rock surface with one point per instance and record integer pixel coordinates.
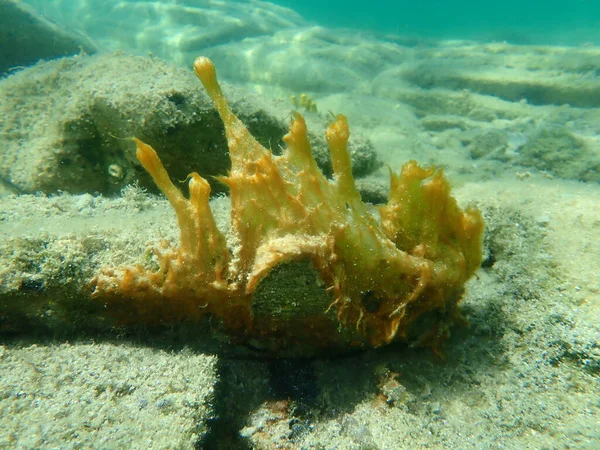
(75, 112)
(103, 395)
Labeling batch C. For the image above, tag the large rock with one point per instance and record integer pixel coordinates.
(66, 125)
(25, 37)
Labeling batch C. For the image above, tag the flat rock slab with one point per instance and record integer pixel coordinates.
(103, 395)
(48, 258)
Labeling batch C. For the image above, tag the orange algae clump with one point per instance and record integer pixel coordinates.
(378, 276)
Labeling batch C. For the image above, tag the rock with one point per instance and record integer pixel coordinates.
(104, 395)
(26, 37)
(67, 125)
(559, 152)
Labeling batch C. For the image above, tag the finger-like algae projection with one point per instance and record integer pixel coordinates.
(378, 275)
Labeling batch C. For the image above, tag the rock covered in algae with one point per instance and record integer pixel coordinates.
(370, 280)
(71, 112)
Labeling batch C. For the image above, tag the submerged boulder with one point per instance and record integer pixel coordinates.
(64, 121)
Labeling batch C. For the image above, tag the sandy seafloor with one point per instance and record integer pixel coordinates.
(517, 129)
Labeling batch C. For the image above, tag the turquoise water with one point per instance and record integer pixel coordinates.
(518, 21)
(515, 21)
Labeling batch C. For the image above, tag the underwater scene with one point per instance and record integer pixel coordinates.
(299, 225)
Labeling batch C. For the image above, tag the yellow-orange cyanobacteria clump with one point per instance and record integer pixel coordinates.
(378, 275)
